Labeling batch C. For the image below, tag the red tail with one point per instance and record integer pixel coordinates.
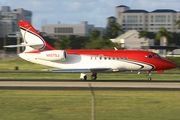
(31, 36)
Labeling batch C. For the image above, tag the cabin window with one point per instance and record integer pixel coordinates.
(109, 58)
(126, 58)
(105, 58)
(113, 58)
(150, 56)
(122, 58)
(117, 58)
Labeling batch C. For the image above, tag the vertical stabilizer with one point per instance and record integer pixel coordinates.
(32, 39)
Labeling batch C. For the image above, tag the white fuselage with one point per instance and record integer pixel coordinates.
(76, 61)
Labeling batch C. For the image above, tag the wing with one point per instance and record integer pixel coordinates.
(79, 70)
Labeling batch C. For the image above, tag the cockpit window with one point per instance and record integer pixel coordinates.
(150, 56)
(156, 56)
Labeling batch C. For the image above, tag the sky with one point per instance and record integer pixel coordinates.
(95, 12)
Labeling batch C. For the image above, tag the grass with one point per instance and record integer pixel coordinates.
(9, 65)
(76, 105)
(66, 76)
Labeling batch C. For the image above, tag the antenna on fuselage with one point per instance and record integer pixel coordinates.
(115, 48)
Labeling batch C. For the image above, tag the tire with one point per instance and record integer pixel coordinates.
(149, 78)
(85, 78)
(93, 77)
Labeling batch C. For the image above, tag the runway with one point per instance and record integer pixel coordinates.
(39, 84)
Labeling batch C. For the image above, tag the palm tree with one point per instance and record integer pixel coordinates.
(143, 34)
(164, 34)
(178, 23)
(116, 28)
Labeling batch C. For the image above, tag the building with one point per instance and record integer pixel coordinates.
(130, 40)
(9, 19)
(110, 21)
(82, 29)
(144, 20)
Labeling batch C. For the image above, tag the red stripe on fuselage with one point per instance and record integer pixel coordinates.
(134, 55)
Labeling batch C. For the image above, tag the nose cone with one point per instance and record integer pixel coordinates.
(169, 65)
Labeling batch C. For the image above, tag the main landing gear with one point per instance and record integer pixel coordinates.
(84, 77)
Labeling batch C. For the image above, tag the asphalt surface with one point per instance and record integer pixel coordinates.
(40, 84)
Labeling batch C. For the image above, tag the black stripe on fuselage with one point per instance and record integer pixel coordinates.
(132, 62)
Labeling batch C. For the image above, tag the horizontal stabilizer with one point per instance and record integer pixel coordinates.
(23, 45)
(79, 70)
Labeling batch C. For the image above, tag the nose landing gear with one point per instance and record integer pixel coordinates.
(149, 74)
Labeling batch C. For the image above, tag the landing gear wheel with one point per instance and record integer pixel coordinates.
(85, 78)
(93, 77)
(149, 74)
(149, 78)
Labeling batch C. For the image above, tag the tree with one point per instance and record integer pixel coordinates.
(78, 42)
(95, 34)
(116, 29)
(163, 33)
(63, 43)
(178, 23)
(104, 44)
(143, 34)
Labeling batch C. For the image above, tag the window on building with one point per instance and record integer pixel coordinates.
(152, 18)
(140, 19)
(63, 30)
(119, 15)
(169, 18)
(132, 19)
(160, 18)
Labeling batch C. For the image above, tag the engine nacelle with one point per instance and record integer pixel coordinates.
(52, 55)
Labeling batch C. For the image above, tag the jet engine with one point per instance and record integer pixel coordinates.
(52, 55)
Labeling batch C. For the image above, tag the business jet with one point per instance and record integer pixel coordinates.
(38, 51)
